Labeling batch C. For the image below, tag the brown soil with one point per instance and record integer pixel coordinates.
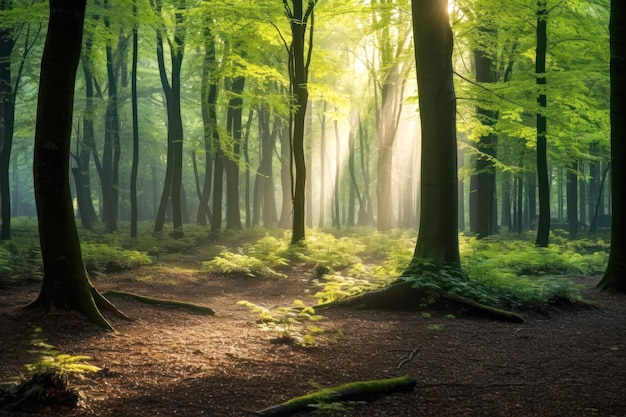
(569, 362)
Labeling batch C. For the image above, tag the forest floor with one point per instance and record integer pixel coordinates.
(168, 362)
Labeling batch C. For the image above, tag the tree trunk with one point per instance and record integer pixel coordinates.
(615, 276)
(135, 118)
(572, 200)
(322, 199)
(111, 149)
(543, 226)
(87, 147)
(336, 217)
(299, 58)
(65, 284)
(173, 173)
(438, 228)
(208, 102)
(485, 184)
(264, 197)
(355, 194)
(7, 121)
(231, 163)
(285, 179)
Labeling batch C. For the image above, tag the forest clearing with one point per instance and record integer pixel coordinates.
(562, 361)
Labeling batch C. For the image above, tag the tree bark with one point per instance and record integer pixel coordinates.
(135, 119)
(543, 181)
(173, 173)
(485, 183)
(65, 284)
(231, 164)
(615, 276)
(572, 199)
(7, 121)
(438, 228)
(111, 149)
(299, 59)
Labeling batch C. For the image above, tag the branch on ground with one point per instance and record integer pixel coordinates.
(354, 391)
(161, 302)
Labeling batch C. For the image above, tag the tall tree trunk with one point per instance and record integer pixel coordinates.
(355, 194)
(173, 173)
(323, 164)
(543, 226)
(615, 276)
(572, 199)
(111, 149)
(507, 179)
(391, 107)
(336, 219)
(135, 117)
(365, 210)
(299, 59)
(246, 160)
(484, 186)
(285, 179)
(264, 197)
(65, 284)
(7, 120)
(87, 146)
(582, 199)
(437, 240)
(208, 101)
(231, 164)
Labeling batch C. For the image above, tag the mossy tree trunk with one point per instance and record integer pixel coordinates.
(615, 276)
(66, 284)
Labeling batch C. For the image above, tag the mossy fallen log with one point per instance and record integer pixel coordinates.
(402, 295)
(161, 302)
(353, 391)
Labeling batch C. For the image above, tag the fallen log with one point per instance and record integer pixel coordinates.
(353, 391)
(161, 302)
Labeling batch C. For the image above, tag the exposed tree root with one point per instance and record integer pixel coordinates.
(161, 302)
(402, 295)
(354, 391)
(105, 304)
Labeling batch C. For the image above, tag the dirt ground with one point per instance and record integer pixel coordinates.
(169, 362)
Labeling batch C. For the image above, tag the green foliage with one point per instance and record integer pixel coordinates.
(238, 263)
(20, 257)
(323, 250)
(292, 323)
(103, 257)
(337, 287)
(50, 360)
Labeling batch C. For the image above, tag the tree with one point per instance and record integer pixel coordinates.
(437, 239)
(7, 120)
(299, 60)
(483, 182)
(615, 276)
(135, 118)
(65, 284)
(543, 181)
(172, 91)
(109, 173)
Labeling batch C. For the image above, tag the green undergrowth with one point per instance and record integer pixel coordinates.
(297, 323)
(504, 271)
(46, 382)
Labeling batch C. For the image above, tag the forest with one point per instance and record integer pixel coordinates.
(328, 208)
